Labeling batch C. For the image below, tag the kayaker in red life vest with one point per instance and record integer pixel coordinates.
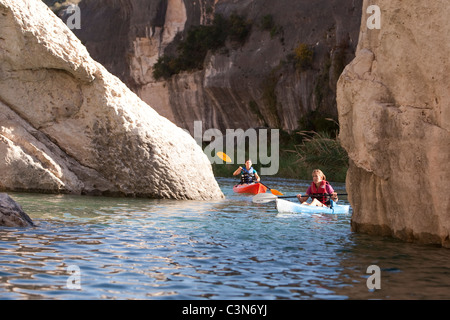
(248, 174)
(319, 185)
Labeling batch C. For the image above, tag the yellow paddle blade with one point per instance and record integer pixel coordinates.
(276, 192)
(223, 156)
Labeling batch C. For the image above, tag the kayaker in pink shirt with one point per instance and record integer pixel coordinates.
(317, 187)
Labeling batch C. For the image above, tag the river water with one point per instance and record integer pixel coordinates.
(120, 248)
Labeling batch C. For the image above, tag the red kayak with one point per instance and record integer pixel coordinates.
(253, 188)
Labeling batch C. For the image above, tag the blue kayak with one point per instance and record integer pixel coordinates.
(284, 206)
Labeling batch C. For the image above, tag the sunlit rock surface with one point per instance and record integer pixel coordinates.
(69, 126)
(394, 113)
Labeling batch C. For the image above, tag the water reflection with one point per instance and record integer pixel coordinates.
(228, 249)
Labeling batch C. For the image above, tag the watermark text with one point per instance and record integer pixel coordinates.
(259, 145)
(374, 281)
(74, 20)
(374, 21)
(74, 280)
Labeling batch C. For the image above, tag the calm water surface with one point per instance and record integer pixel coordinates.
(227, 249)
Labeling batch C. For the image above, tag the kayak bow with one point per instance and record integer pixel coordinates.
(253, 188)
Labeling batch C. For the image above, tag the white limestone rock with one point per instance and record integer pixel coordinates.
(394, 114)
(68, 125)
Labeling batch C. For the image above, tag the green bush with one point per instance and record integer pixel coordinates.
(164, 67)
(238, 28)
(303, 57)
(321, 150)
(199, 40)
(267, 22)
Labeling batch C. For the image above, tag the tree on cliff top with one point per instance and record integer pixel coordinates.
(199, 40)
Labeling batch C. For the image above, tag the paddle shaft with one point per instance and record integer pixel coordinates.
(323, 194)
(315, 195)
(264, 185)
(273, 191)
(264, 197)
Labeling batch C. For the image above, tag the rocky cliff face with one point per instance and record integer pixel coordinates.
(394, 112)
(68, 125)
(240, 86)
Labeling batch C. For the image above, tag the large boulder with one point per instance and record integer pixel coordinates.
(68, 125)
(11, 213)
(394, 113)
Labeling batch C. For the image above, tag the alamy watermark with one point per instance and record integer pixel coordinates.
(258, 145)
(374, 281)
(74, 19)
(374, 21)
(74, 280)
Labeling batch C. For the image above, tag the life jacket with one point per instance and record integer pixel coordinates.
(322, 189)
(247, 176)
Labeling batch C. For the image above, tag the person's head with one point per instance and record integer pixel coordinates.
(318, 176)
(248, 163)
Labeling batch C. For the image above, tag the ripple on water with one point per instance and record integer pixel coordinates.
(228, 249)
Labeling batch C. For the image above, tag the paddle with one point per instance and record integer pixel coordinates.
(267, 197)
(223, 156)
(275, 192)
(226, 158)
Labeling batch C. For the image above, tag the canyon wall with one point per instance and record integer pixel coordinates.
(241, 85)
(394, 113)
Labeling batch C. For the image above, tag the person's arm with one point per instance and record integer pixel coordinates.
(238, 171)
(301, 198)
(257, 177)
(304, 198)
(333, 196)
